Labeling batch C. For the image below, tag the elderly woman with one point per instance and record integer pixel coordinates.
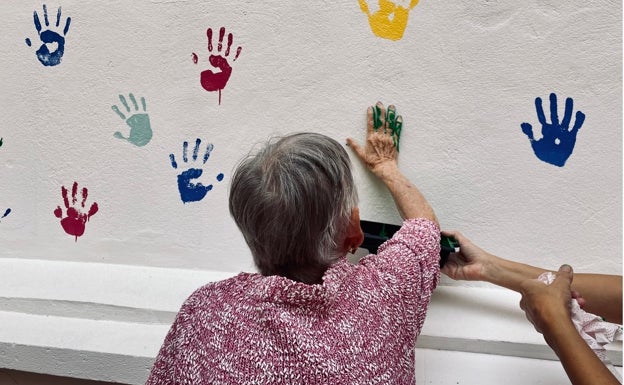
(310, 316)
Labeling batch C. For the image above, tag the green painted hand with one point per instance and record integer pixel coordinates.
(390, 121)
(140, 129)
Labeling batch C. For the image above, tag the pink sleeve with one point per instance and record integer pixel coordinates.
(172, 361)
(411, 260)
(162, 370)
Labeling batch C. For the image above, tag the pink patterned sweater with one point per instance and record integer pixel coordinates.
(358, 327)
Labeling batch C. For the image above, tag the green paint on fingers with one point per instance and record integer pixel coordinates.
(377, 117)
(391, 116)
(391, 121)
(396, 126)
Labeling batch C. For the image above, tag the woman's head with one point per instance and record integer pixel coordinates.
(293, 202)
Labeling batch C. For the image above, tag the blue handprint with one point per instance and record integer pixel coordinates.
(189, 191)
(140, 130)
(557, 142)
(48, 36)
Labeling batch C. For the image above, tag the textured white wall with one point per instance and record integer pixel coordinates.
(464, 76)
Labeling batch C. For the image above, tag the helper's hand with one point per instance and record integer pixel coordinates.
(470, 263)
(547, 306)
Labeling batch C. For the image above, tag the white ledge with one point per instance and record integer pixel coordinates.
(107, 322)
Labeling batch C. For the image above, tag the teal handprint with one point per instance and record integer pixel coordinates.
(140, 129)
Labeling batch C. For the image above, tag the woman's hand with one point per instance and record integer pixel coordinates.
(383, 130)
(379, 155)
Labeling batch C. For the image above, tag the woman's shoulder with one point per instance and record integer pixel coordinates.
(224, 291)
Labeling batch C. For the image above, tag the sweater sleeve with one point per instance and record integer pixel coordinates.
(162, 370)
(410, 261)
(172, 364)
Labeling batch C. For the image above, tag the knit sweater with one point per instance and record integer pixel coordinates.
(358, 327)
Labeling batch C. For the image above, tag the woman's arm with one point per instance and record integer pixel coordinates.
(380, 154)
(602, 293)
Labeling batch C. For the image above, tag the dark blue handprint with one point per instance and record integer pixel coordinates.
(557, 142)
(190, 191)
(48, 36)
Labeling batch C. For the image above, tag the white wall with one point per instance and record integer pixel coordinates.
(464, 76)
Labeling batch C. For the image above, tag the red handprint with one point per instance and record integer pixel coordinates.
(75, 221)
(216, 81)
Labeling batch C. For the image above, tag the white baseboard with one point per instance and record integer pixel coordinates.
(107, 322)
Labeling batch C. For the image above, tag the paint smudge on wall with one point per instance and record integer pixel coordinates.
(389, 20)
(7, 212)
(558, 140)
(189, 190)
(219, 59)
(75, 218)
(139, 123)
(50, 38)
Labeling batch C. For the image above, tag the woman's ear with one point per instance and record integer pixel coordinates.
(354, 235)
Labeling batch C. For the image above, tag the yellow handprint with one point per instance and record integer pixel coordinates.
(390, 20)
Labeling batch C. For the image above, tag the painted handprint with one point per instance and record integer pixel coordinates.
(390, 20)
(189, 190)
(75, 220)
(140, 130)
(50, 38)
(216, 81)
(557, 142)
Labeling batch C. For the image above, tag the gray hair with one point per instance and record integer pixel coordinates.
(293, 201)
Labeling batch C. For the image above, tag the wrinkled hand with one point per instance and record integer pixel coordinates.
(469, 263)
(383, 130)
(546, 306)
